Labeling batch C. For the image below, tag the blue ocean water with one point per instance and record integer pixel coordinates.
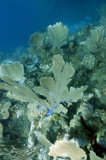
(20, 18)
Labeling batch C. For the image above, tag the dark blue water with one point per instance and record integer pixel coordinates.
(20, 18)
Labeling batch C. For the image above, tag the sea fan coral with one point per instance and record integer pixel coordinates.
(14, 71)
(57, 35)
(67, 148)
(54, 90)
(96, 42)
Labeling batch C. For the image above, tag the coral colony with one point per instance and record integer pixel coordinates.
(52, 101)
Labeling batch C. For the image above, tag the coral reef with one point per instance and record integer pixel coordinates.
(55, 91)
(54, 94)
(45, 45)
